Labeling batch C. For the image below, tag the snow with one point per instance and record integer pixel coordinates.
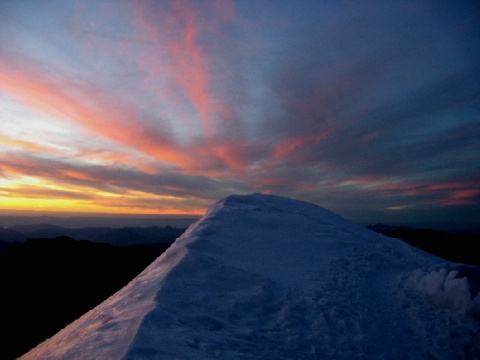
(267, 277)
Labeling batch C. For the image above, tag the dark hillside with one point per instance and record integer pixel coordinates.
(48, 283)
(456, 247)
(4, 246)
(116, 236)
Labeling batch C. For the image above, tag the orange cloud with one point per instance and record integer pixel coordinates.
(10, 142)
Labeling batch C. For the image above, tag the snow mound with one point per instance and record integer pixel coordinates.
(266, 277)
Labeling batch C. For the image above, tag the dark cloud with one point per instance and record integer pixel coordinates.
(383, 106)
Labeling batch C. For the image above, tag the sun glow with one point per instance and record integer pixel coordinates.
(113, 205)
(37, 194)
(22, 203)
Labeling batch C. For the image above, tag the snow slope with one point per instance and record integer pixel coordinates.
(266, 277)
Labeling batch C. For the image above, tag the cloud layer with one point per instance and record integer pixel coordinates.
(370, 109)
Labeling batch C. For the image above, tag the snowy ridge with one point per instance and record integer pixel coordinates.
(266, 277)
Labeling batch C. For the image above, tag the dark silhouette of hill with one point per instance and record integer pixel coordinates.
(115, 236)
(4, 246)
(48, 283)
(456, 247)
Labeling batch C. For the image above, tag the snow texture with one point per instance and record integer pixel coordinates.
(266, 277)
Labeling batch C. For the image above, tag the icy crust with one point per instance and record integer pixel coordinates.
(265, 277)
(454, 286)
(442, 306)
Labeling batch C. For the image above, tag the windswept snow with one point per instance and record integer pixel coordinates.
(266, 277)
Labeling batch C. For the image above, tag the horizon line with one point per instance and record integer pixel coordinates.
(68, 214)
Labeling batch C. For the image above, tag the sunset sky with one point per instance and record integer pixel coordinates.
(370, 109)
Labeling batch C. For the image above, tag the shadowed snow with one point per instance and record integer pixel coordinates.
(266, 277)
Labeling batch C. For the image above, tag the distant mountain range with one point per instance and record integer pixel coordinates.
(125, 236)
(98, 221)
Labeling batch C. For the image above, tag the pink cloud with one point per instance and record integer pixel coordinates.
(106, 118)
(444, 194)
(175, 30)
(290, 146)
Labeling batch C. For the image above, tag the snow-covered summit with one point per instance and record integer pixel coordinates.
(266, 277)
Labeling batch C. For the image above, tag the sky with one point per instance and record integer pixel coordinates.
(281, 293)
(370, 109)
